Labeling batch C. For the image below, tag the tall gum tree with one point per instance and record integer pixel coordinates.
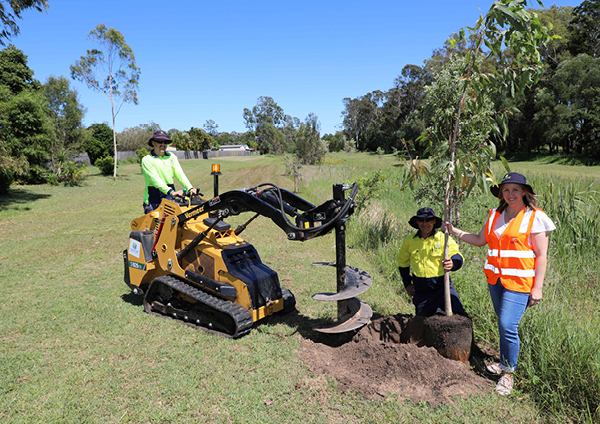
(111, 70)
(510, 36)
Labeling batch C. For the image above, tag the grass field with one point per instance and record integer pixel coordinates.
(76, 346)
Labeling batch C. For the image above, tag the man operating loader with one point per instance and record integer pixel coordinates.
(160, 168)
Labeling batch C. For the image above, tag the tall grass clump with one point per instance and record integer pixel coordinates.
(560, 359)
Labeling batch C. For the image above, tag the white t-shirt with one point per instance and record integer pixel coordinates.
(541, 223)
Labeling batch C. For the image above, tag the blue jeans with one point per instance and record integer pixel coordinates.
(510, 307)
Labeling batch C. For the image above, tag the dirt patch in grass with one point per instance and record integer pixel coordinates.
(387, 357)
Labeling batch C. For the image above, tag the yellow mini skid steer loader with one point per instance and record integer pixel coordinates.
(191, 266)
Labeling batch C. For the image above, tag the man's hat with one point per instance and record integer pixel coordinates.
(425, 213)
(514, 178)
(160, 135)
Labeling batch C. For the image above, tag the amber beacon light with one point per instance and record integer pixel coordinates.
(216, 171)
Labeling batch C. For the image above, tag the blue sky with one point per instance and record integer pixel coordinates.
(204, 60)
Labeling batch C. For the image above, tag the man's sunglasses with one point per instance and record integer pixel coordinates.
(161, 141)
(425, 219)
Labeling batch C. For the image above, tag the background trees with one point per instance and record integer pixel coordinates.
(137, 137)
(557, 114)
(40, 125)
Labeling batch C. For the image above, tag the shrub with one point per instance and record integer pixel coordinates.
(140, 153)
(69, 173)
(106, 165)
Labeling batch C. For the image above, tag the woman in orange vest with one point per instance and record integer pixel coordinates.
(517, 237)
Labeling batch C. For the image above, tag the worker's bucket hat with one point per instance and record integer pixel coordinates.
(160, 135)
(425, 213)
(514, 178)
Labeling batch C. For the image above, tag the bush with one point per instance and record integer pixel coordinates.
(140, 153)
(106, 165)
(69, 173)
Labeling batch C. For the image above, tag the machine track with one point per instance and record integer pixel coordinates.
(209, 313)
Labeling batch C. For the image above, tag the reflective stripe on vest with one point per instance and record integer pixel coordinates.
(510, 257)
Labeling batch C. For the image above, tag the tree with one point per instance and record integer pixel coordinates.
(266, 110)
(270, 139)
(11, 10)
(100, 143)
(360, 116)
(507, 26)
(577, 92)
(14, 72)
(211, 128)
(25, 128)
(109, 69)
(194, 139)
(585, 28)
(309, 147)
(135, 138)
(66, 114)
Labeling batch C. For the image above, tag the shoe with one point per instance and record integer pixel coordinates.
(495, 369)
(505, 384)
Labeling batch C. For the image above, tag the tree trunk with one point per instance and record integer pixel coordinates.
(112, 107)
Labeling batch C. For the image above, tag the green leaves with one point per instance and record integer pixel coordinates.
(113, 60)
(503, 57)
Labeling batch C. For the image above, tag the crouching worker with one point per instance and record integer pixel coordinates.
(160, 168)
(423, 254)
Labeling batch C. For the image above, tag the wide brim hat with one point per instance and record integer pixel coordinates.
(159, 135)
(425, 213)
(513, 178)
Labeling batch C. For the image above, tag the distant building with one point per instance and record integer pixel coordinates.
(235, 148)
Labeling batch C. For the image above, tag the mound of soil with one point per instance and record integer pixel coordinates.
(390, 356)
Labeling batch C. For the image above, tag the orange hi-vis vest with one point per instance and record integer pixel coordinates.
(510, 258)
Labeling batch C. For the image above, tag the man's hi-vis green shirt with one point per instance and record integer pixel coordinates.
(424, 256)
(160, 173)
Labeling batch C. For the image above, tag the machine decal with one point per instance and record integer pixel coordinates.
(135, 248)
(137, 265)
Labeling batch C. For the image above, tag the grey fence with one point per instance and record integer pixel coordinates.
(181, 154)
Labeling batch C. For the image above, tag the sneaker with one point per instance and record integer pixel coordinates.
(495, 369)
(505, 384)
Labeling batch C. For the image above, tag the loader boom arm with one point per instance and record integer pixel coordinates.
(277, 204)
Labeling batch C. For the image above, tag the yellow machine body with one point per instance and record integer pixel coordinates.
(156, 239)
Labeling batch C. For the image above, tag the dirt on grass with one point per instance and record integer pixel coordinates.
(390, 356)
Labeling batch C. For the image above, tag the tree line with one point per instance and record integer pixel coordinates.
(560, 114)
(41, 124)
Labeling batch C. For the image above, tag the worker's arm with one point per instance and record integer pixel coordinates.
(474, 239)
(180, 175)
(404, 267)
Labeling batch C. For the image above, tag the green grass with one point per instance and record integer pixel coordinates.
(76, 346)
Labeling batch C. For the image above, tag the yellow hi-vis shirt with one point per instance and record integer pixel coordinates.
(424, 256)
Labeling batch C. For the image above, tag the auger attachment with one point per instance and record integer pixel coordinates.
(351, 281)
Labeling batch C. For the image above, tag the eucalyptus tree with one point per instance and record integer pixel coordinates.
(110, 69)
(211, 127)
(507, 26)
(265, 110)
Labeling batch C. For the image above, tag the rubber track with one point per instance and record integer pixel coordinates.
(240, 315)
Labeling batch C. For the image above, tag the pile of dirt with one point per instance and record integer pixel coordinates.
(390, 356)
